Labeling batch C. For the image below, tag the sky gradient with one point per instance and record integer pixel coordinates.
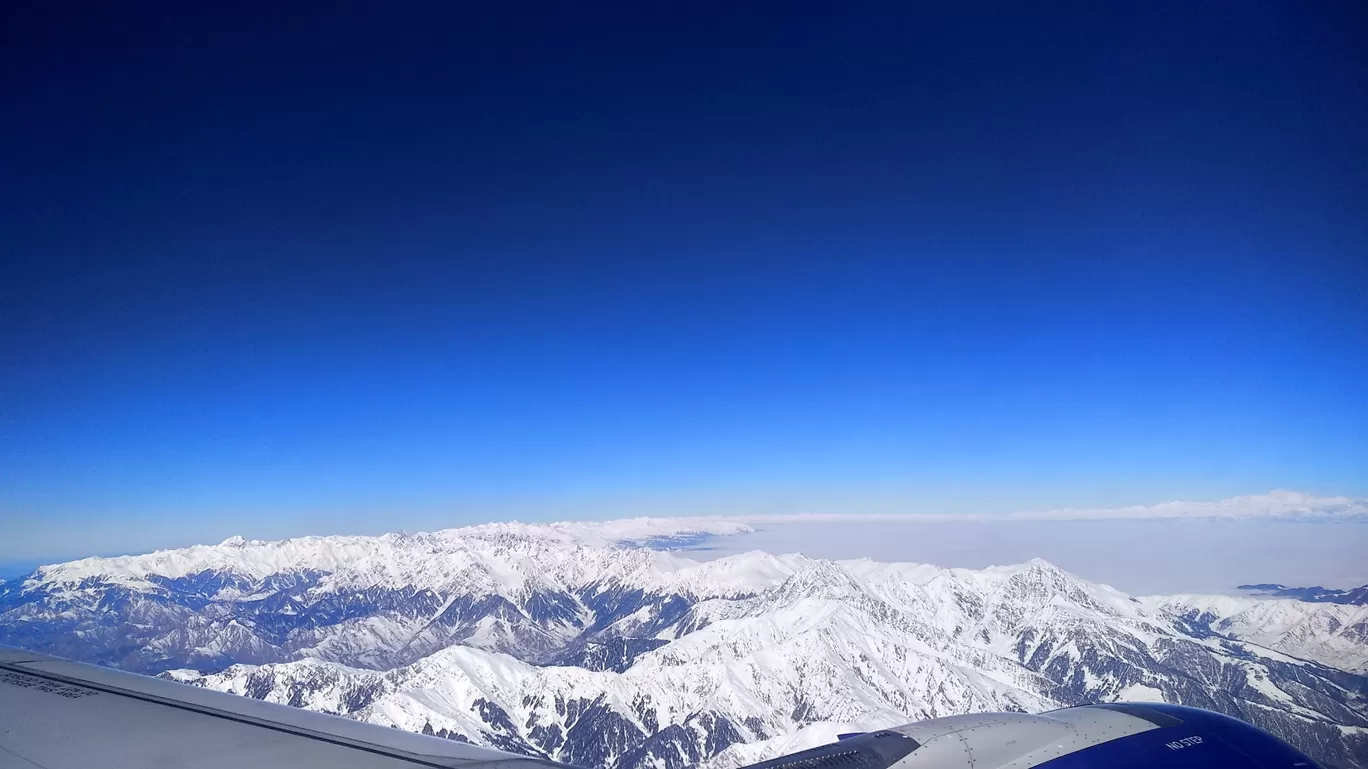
(279, 271)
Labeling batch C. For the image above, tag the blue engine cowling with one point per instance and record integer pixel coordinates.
(1187, 737)
(1109, 736)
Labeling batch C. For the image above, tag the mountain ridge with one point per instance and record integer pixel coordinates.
(1357, 596)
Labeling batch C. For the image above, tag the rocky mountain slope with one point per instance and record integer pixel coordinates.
(583, 643)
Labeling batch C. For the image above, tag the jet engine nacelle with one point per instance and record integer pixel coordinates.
(1110, 736)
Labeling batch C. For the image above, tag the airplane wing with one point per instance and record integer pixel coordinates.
(57, 714)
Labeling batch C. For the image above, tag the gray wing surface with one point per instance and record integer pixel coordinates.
(57, 714)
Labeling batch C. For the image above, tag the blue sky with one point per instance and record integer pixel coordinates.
(415, 269)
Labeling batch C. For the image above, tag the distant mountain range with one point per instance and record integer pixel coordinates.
(1356, 597)
(588, 644)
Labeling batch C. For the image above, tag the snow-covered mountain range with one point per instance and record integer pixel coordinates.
(591, 644)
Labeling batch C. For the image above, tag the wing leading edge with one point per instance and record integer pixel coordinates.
(57, 714)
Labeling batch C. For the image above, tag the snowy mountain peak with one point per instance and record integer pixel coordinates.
(819, 578)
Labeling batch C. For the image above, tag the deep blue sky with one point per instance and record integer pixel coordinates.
(358, 268)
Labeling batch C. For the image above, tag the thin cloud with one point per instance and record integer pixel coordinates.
(1280, 504)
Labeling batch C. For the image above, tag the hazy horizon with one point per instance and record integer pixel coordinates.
(1176, 547)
